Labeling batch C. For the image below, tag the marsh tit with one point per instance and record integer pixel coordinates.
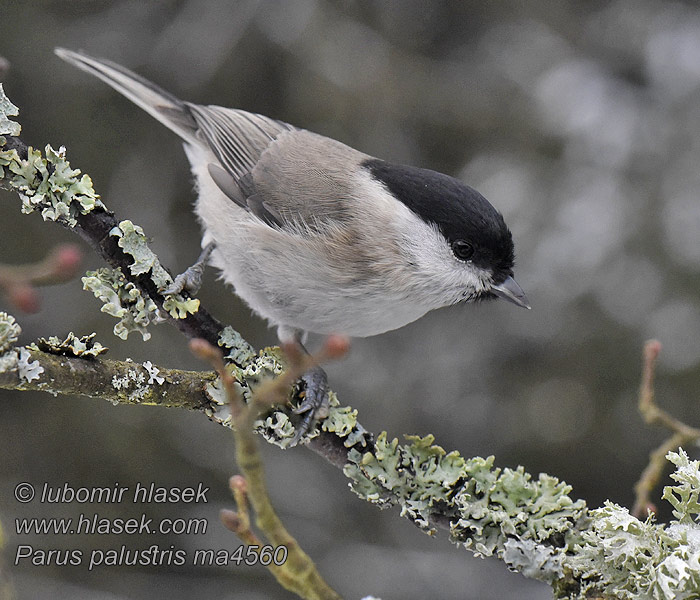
(318, 237)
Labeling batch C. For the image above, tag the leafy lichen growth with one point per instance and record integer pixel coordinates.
(534, 525)
(533, 560)
(248, 373)
(684, 497)
(240, 352)
(28, 369)
(82, 347)
(134, 242)
(494, 504)
(218, 410)
(49, 184)
(9, 332)
(249, 370)
(486, 506)
(277, 428)
(342, 420)
(44, 183)
(623, 557)
(123, 300)
(7, 109)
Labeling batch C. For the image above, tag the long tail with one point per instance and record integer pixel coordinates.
(162, 105)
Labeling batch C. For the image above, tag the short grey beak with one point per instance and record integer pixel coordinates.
(511, 291)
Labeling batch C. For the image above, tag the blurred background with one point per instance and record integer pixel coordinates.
(579, 121)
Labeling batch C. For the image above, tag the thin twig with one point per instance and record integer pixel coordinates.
(654, 415)
(298, 573)
(19, 282)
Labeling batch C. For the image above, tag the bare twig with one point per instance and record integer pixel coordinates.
(19, 282)
(275, 391)
(654, 415)
(298, 573)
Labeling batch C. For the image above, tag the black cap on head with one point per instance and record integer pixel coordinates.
(460, 212)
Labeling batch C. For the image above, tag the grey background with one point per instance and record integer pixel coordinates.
(579, 121)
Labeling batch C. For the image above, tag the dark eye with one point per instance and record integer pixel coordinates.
(463, 250)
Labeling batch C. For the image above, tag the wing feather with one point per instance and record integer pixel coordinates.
(236, 137)
(287, 177)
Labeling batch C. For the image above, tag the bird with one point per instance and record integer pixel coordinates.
(317, 237)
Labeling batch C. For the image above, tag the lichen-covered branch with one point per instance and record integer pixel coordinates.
(70, 367)
(531, 523)
(49, 185)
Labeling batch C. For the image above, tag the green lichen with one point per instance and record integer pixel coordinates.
(623, 557)
(342, 420)
(7, 109)
(618, 553)
(134, 242)
(493, 504)
(534, 525)
(123, 300)
(250, 370)
(240, 352)
(533, 560)
(9, 332)
(267, 364)
(44, 183)
(48, 184)
(486, 505)
(684, 497)
(277, 428)
(82, 347)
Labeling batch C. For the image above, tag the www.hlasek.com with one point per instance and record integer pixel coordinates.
(91, 523)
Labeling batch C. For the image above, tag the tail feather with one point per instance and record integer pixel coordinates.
(162, 105)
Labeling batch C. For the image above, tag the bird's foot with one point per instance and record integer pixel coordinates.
(314, 402)
(191, 280)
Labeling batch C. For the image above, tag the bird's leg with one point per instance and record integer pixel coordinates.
(191, 279)
(313, 399)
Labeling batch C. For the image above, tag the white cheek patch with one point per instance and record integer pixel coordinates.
(453, 278)
(430, 271)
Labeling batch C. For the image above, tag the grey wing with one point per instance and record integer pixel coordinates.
(289, 178)
(237, 138)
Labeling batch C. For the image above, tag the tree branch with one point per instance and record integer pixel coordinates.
(95, 228)
(531, 523)
(119, 382)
